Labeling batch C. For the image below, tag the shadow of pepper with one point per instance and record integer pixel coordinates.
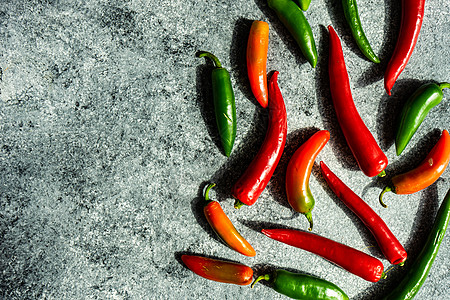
(391, 29)
(205, 100)
(326, 108)
(238, 57)
(282, 32)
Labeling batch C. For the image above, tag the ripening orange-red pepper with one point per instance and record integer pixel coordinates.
(425, 174)
(299, 171)
(223, 227)
(257, 47)
(219, 270)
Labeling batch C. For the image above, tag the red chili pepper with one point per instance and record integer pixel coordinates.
(411, 22)
(425, 174)
(299, 171)
(386, 240)
(219, 270)
(371, 160)
(257, 46)
(223, 227)
(350, 259)
(257, 175)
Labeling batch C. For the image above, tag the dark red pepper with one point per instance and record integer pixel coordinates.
(348, 258)
(386, 240)
(371, 160)
(257, 175)
(411, 22)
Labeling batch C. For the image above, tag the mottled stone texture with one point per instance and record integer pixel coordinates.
(107, 138)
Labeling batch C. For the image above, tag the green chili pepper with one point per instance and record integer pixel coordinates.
(301, 286)
(295, 21)
(415, 110)
(224, 103)
(352, 17)
(303, 4)
(418, 272)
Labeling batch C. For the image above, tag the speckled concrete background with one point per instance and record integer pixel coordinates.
(108, 138)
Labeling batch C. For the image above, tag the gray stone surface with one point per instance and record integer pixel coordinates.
(108, 138)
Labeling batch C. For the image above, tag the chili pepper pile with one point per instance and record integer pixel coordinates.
(368, 156)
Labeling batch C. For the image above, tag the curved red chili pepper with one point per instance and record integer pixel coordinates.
(219, 270)
(298, 173)
(350, 259)
(425, 174)
(386, 240)
(222, 225)
(411, 22)
(257, 175)
(371, 160)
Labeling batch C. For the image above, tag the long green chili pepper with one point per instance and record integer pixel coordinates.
(352, 17)
(303, 4)
(415, 110)
(295, 21)
(418, 272)
(301, 286)
(224, 103)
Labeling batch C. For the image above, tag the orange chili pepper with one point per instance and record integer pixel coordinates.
(425, 174)
(299, 171)
(219, 270)
(223, 227)
(257, 46)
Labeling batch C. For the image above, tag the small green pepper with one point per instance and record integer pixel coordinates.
(415, 110)
(224, 103)
(302, 286)
(352, 16)
(295, 21)
(303, 4)
(418, 272)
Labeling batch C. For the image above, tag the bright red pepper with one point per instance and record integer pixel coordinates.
(257, 175)
(386, 240)
(371, 160)
(411, 22)
(425, 174)
(223, 227)
(348, 258)
(219, 270)
(299, 171)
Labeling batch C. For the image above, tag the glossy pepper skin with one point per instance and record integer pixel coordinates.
(424, 174)
(302, 286)
(352, 16)
(371, 160)
(299, 171)
(388, 243)
(303, 4)
(348, 258)
(219, 270)
(418, 271)
(415, 110)
(295, 21)
(257, 47)
(257, 175)
(410, 25)
(223, 227)
(224, 103)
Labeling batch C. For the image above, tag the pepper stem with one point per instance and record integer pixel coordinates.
(308, 215)
(265, 277)
(211, 56)
(382, 174)
(444, 85)
(238, 204)
(386, 189)
(208, 188)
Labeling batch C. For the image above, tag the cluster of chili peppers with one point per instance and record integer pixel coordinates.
(368, 155)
